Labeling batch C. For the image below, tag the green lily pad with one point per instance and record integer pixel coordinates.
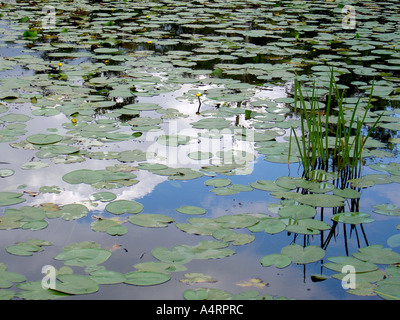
(7, 278)
(388, 209)
(83, 176)
(83, 256)
(192, 210)
(279, 260)
(269, 225)
(103, 196)
(177, 255)
(10, 198)
(300, 255)
(124, 206)
(338, 262)
(103, 276)
(297, 212)
(73, 211)
(352, 217)
(151, 220)
(321, 200)
(237, 239)
(145, 278)
(218, 182)
(75, 284)
(6, 173)
(42, 139)
(378, 255)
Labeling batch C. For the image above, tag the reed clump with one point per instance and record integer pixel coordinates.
(328, 139)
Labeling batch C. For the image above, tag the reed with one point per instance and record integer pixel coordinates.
(324, 144)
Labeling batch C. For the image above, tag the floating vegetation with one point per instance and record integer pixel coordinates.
(206, 143)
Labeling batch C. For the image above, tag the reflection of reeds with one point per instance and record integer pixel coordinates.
(315, 147)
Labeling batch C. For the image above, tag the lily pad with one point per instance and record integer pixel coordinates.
(124, 206)
(192, 210)
(151, 220)
(300, 255)
(279, 260)
(145, 278)
(42, 139)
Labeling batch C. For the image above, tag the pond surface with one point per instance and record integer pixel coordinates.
(146, 150)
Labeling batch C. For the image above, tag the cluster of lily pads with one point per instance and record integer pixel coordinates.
(94, 72)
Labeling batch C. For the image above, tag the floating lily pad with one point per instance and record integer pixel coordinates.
(279, 260)
(83, 256)
(6, 173)
(75, 284)
(83, 176)
(352, 217)
(150, 220)
(297, 212)
(193, 210)
(124, 206)
(42, 139)
(10, 198)
(145, 278)
(300, 255)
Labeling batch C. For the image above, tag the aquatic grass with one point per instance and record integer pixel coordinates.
(316, 150)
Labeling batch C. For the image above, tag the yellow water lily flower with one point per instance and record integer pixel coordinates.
(198, 94)
(73, 120)
(60, 64)
(149, 41)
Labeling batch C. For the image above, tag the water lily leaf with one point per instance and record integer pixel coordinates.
(42, 139)
(151, 220)
(197, 294)
(237, 221)
(28, 247)
(145, 278)
(6, 173)
(103, 276)
(237, 239)
(33, 165)
(158, 266)
(194, 277)
(347, 193)
(352, 217)
(193, 210)
(15, 117)
(297, 212)
(307, 226)
(117, 230)
(218, 182)
(377, 254)
(33, 290)
(177, 255)
(394, 241)
(124, 206)
(73, 211)
(10, 198)
(103, 196)
(75, 284)
(7, 278)
(388, 209)
(269, 225)
(321, 200)
(279, 260)
(338, 262)
(300, 255)
(200, 226)
(83, 256)
(83, 176)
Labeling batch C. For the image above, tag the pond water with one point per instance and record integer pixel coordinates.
(146, 150)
